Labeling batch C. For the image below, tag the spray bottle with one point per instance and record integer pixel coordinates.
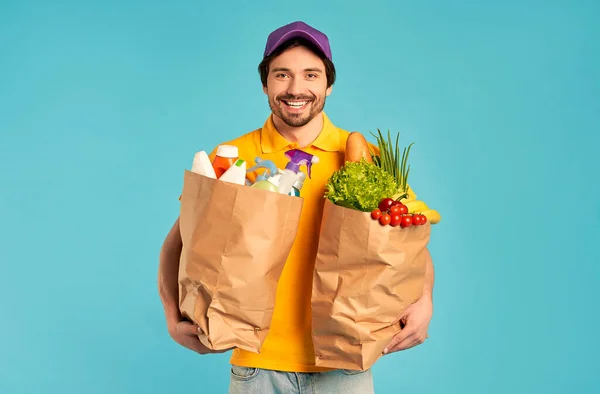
(291, 172)
(268, 179)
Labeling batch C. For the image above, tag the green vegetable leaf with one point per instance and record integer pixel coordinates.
(360, 185)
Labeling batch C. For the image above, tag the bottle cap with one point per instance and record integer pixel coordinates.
(228, 151)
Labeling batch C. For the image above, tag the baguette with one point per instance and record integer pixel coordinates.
(357, 148)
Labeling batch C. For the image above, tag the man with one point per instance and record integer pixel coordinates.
(297, 75)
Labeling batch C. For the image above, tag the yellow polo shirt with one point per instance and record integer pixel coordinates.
(288, 346)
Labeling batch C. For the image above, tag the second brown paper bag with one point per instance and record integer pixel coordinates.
(236, 240)
(365, 276)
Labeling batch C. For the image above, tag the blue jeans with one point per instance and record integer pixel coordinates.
(246, 380)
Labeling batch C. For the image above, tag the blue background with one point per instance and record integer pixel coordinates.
(103, 104)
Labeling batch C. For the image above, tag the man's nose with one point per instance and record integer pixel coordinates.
(295, 87)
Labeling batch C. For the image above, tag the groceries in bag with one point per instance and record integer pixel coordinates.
(288, 181)
(298, 185)
(229, 168)
(291, 176)
(269, 179)
(202, 165)
(225, 157)
(269, 167)
(236, 240)
(236, 173)
(366, 274)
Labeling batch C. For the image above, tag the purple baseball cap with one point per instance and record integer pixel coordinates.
(295, 30)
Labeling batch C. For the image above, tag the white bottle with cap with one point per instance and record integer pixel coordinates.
(225, 157)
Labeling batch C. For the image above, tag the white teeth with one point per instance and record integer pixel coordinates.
(296, 104)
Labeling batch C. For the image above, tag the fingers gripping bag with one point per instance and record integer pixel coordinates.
(369, 267)
(236, 240)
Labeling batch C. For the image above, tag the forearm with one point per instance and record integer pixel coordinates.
(429, 277)
(168, 272)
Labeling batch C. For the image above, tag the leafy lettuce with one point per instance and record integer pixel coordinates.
(360, 185)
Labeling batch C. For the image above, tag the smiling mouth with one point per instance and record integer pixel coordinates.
(295, 104)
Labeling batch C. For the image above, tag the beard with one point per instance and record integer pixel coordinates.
(315, 106)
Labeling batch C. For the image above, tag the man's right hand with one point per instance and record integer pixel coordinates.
(182, 331)
(186, 333)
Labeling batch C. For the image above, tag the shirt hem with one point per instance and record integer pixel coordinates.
(279, 366)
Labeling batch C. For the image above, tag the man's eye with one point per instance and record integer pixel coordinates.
(281, 75)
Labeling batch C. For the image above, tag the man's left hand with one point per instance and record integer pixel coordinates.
(416, 320)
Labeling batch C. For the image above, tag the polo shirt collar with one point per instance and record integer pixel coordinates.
(271, 141)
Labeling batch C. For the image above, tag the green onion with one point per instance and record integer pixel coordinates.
(389, 159)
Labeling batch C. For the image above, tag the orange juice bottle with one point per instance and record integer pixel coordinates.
(226, 156)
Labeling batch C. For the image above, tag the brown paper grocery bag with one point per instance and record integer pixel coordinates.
(365, 276)
(236, 240)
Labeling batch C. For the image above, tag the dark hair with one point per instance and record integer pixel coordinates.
(263, 67)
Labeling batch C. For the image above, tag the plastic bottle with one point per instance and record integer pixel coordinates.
(225, 157)
(291, 172)
(267, 184)
(236, 173)
(202, 165)
(295, 192)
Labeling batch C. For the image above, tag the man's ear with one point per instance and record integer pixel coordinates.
(265, 89)
(328, 91)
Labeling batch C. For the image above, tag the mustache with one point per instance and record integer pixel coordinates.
(288, 97)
